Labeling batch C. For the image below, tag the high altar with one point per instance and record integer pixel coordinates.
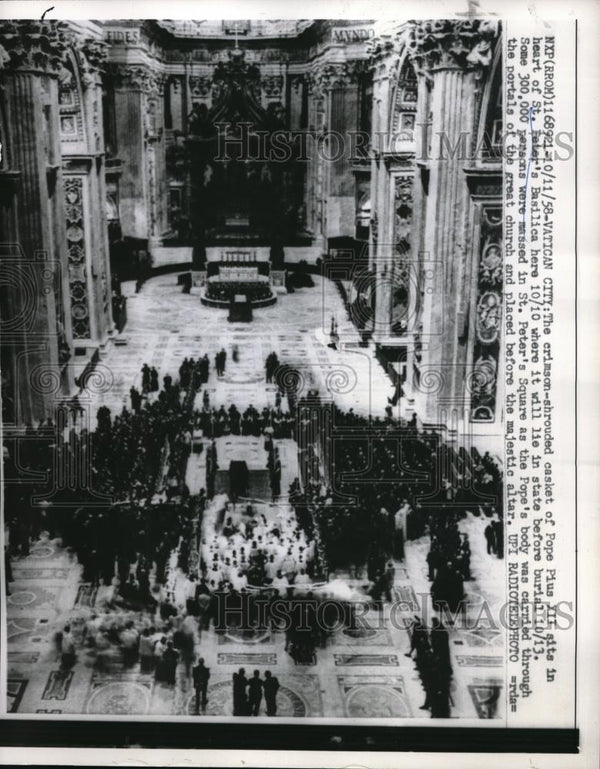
(240, 279)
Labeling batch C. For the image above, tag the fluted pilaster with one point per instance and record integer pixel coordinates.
(451, 55)
(31, 54)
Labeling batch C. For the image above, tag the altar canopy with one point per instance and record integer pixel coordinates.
(238, 189)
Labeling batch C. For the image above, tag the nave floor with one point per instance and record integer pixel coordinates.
(360, 674)
(165, 326)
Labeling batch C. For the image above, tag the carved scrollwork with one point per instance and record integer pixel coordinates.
(200, 86)
(272, 86)
(95, 51)
(91, 57)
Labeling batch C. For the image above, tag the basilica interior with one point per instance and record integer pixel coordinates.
(251, 330)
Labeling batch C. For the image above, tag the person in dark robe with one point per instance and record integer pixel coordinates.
(255, 689)
(440, 644)
(418, 636)
(270, 686)
(433, 560)
(170, 659)
(490, 538)
(201, 675)
(499, 532)
(145, 378)
(240, 703)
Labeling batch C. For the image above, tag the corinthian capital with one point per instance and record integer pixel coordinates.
(327, 76)
(91, 57)
(33, 45)
(448, 44)
(137, 77)
(95, 52)
(384, 52)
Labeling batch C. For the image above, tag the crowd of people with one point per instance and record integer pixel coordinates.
(432, 658)
(380, 470)
(215, 423)
(130, 451)
(164, 649)
(248, 693)
(249, 550)
(164, 578)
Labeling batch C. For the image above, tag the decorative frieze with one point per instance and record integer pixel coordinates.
(488, 316)
(374, 229)
(76, 256)
(403, 216)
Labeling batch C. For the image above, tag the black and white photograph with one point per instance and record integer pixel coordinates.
(276, 404)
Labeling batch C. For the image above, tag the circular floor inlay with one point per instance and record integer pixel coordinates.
(45, 551)
(247, 636)
(23, 598)
(220, 702)
(246, 376)
(120, 698)
(373, 701)
(360, 632)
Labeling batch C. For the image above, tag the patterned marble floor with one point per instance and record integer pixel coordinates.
(165, 326)
(358, 675)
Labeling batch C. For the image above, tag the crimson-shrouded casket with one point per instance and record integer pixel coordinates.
(238, 478)
(240, 309)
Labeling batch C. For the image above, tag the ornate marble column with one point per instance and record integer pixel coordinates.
(451, 55)
(31, 56)
(315, 181)
(344, 95)
(385, 60)
(140, 138)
